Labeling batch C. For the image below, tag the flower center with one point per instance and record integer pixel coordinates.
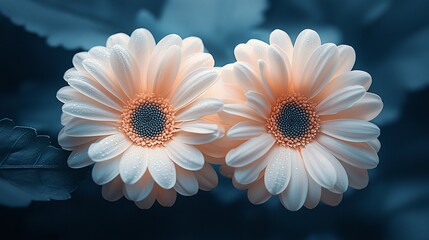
(293, 121)
(148, 120)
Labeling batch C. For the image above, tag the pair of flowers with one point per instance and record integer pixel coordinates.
(284, 119)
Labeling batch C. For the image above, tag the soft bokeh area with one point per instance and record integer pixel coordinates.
(391, 39)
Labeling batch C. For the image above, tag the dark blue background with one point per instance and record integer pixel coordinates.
(391, 39)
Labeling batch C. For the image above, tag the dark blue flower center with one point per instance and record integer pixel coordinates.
(148, 120)
(293, 121)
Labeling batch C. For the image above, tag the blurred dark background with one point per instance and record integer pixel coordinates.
(391, 39)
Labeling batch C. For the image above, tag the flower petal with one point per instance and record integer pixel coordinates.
(106, 171)
(67, 93)
(313, 194)
(108, 147)
(199, 108)
(140, 189)
(360, 155)
(79, 157)
(246, 130)
(125, 69)
(197, 138)
(186, 184)
(258, 193)
(191, 46)
(149, 200)
(117, 39)
(278, 171)
(193, 86)
(77, 127)
(250, 150)
(186, 156)
(166, 197)
(258, 103)
(358, 178)
(330, 198)
(112, 191)
(162, 168)
(242, 111)
(305, 44)
(340, 100)
(141, 45)
(163, 73)
(199, 127)
(194, 62)
(207, 177)
(294, 196)
(280, 69)
(282, 40)
(350, 130)
(90, 111)
(319, 69)
(318, 165)
(251, 172)
(366, 109)
(133, 164)
(346, 59)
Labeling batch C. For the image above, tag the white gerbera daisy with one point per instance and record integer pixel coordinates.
(138, 110)
(302, 119)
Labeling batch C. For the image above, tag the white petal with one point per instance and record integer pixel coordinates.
(375, 143)
(280, 69)
(340, 100)
(133, 164)
(199, 127)
(246, 130)
(117, 39)
(90, 111)
(195, 62)
(319, 69)
(162, 168)
(244, 53)
(313, 194)
(141, 45)
(141, 189)
(342, 182)
(294, 196)
(108, 147)
(105, 77)
(94, 91)
(278, 171)
(257, 193)
(251, 172)
(242, 111)
(305, 44)
(67, 93)
(193, 86)
(199, 108)
(112, 191)
(282, 40)
(186, 156)
(65, 118)
(186, 184)
(192, 45)
(100, 54)
(69, 143)
(197, 138)
(258, 103)
(207, 177)
(104, 172)
(318, 165)
(360, 155)
(126, 70)
(250, 150)
(166, 197)
(78, 59)
(77, 127)
(330, 198)
(366, 109)
(265, 77)
(149, 200)
(163, 73)
(358, 178)
(346, 59)
(245, 76)
(166, 42)
(350, 130)
(79, 157)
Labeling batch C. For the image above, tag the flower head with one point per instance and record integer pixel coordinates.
(140, 111)
(301, 120)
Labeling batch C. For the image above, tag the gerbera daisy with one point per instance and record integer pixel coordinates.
(302, 116)
(138, 110)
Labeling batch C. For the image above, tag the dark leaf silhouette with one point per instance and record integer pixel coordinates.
(32, 169)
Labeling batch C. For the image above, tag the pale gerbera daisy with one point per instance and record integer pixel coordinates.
(139, 111)
(302, 120)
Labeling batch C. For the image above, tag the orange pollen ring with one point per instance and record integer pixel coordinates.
(296, 126)
(162, 106)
